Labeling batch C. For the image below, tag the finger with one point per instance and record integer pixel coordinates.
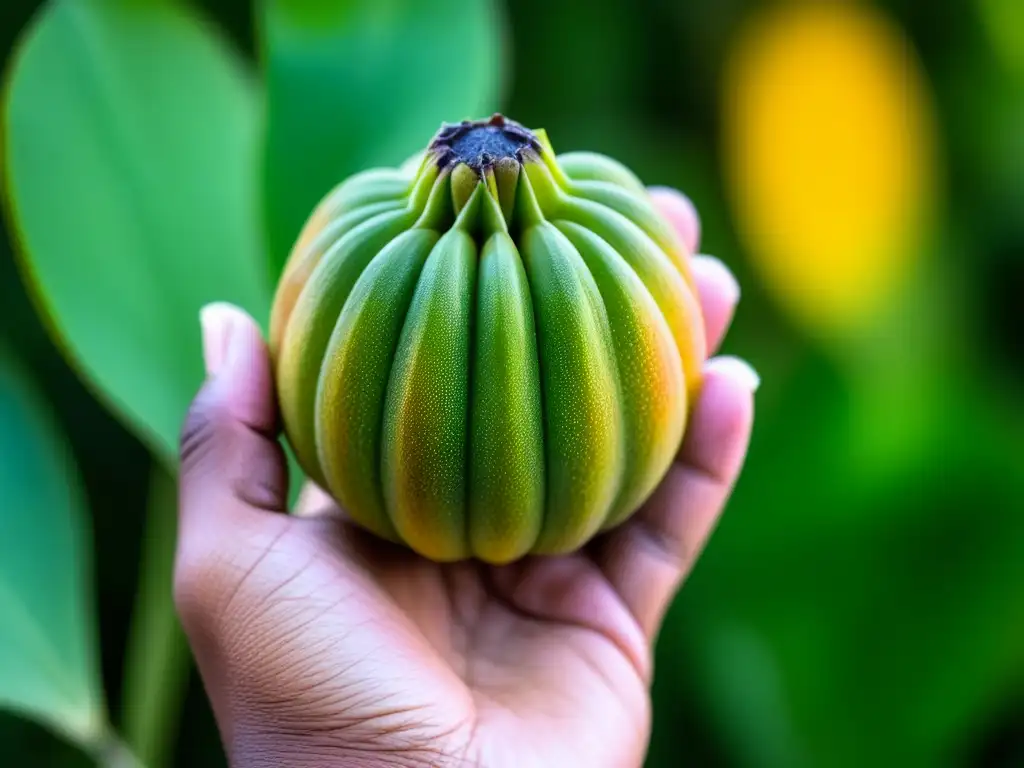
(647, 558)
(232, 466)
(681, 213)
(719, 295)
(718, 289)
(314, 501)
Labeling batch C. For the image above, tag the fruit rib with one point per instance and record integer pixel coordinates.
(582, 418)
(650, 372)
(426, 407)
(304, 260)
(506, 454)
(364, 188)
(655, 269)
(354, 377)
(311, 323)
(592, 166)
(640, 210)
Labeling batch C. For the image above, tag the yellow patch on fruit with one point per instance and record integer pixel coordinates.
(829, 151)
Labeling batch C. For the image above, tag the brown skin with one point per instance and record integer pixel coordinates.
(321, 646)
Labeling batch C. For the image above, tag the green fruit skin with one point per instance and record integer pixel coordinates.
(582, 412)
(426, 409)
(354, 379)
(474, 375)
(506, 458)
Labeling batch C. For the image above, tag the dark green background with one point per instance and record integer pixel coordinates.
(839, 617)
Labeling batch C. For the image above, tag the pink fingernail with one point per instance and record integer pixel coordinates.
(682, 213)
(737, 369)
(217, 323)
(715, 269)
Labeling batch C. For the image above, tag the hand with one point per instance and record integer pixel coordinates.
(321, 646)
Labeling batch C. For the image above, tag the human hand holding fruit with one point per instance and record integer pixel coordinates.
(322, 644)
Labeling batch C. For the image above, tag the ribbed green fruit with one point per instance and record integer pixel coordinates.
(490, 351)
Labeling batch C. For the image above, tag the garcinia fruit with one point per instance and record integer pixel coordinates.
(489, 351)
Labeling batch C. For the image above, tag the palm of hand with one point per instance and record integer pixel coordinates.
(434, 665)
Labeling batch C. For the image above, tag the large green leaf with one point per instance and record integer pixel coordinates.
(131, 147)
(363, 83)
(49, 665)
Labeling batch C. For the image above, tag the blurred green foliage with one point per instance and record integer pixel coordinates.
(862, 602)
(357, 85)
(47, 660)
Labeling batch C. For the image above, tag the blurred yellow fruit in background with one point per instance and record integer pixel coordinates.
(829, 155)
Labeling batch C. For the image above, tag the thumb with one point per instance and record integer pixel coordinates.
(232, 466)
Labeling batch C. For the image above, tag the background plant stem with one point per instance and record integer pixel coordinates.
(157, 659)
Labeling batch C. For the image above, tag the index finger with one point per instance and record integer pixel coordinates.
(718, 291)
(681, 214)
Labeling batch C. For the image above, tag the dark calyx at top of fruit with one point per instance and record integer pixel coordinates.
(481, 144)
(486, 175)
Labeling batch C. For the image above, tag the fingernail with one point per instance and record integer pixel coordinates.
(714, 269)
(736, 368)
(682, 212)
(217, 323)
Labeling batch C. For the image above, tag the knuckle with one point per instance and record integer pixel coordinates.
(665, 543)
